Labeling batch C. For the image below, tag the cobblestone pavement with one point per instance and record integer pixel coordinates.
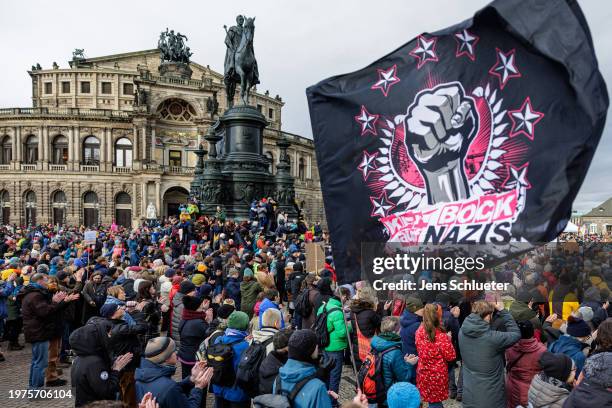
(14, 374)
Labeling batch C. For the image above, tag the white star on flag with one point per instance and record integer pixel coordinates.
(381, 205)
(425, 50)
(367, 121)
(367, 164)
(386, 79)
(466, 43)
(505, 67)
(524, 119)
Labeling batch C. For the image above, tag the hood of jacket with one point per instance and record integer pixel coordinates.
(31, 289)
(526, 345)
(409, 318)
(543, 393)
(520, 311)
(149, 372)
(381, 344)
(474, 326)
(91, 339)
(567, 345)
(264, 334)
(294, 371)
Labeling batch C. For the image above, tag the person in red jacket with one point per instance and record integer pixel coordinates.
(435, 350)
(522, 365)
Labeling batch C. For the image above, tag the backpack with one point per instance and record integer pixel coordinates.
(302, 304)
(370, 377)
(320, 326)
(220, 357)
(247, 374)
(280, 398)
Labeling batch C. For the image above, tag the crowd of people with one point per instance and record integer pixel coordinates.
(232, 305)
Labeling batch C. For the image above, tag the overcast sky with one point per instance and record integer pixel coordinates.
(297, 43)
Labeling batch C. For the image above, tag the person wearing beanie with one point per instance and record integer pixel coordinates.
(198, 279)
(303, 351)
(232, 287)
(410, 320)
(186, 288)
(249, 289)
(403, 395)
(522, 364)
(573, 342)
(234, 336)
(594, 385)
(551, 386)
(268, 370)
(154, 375)
(563, 297)
(42, 268)
(520, 311)
(194, 328)
(482, 352)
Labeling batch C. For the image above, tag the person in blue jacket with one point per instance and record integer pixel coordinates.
(155, 376)
(271, 301)
(573, 342)
(411, 319)
(232, 395)
(303, 352)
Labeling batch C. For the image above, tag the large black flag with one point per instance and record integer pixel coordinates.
(478, 133)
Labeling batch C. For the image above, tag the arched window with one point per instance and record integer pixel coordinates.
(5, 206)
(176, 110)
(59, 197)
(123, 198)
(271, 166)
(6, 155)
(91, 151)
(31, 150)
(302, 169)
(90, 198)
(91, 209)
(30, 208)
(59, 204)
(59, 150)
(123, 152)
(123, 209)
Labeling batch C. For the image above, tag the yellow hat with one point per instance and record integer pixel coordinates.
(198, 279)
(202, 268)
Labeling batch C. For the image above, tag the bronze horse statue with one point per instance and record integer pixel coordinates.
(245, 65)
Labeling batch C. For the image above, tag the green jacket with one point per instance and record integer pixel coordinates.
(248, 296)
(336, 326)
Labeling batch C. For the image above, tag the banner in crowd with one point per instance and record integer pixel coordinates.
(476, 134)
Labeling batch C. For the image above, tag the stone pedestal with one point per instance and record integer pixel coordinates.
(239, 174)
(175, 70)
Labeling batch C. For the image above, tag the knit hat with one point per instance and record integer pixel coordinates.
(108, 309)
(577, 327)
(137, 283)
(413, 304)
(79, 263)
(598, 369)
(443, 299)
(586, 312)
(302, 344)
(61, 275)
(198, 279)
(186, 286)
(42, 268)
(526, 328)
(238, 320)
(159, 349)
(170, 273)
(225, 311)
(403, 395)
(248, 272)
(192, 302)
(556, 365)
(201, 268)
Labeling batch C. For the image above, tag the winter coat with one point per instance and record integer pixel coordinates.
(571, 347)
(157, 379)
(13, 305)
(248, 296)
(368, 320)
(5, 290)
(589, 394)
(336, 326)
(521, 366)
(432, 369)
(124, 338)
(268, 304)
(563, 301)
(268, 371)
(177, 316)
(193, 332)
(409, 323)
(233, 393)
(38, 313)
(91, 375)
(482, 351)
(546, 392)
(313, 394)
(521, 311)
(313, 295)
(394, 368)
(264, 334)
(232, 291)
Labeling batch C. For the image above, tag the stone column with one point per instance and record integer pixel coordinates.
(45, 151)
(77, 148)
(143, 207)
(158, 197)
(109, 149)
(70, 164)
(143, 132)
(134, 204)
(16, 157)
(41, 146)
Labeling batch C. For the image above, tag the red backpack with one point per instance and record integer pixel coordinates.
(370, 376)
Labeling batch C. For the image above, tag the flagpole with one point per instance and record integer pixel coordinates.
(350, 346)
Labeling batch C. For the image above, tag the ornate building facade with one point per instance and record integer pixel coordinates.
(109, 135)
